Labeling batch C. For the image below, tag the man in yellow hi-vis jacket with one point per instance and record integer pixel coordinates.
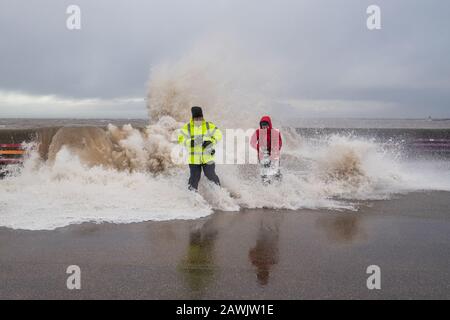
(200, 137)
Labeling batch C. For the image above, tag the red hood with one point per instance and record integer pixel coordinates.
(266, 119)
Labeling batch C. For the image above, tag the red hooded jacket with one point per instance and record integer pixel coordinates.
(272, 140)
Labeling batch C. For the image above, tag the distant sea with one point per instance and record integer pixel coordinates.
(300, 123)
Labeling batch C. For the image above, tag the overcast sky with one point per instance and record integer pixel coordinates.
(332, 65)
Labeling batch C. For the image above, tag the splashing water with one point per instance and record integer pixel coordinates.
(127, 174)
(68, 188)
(233, 87)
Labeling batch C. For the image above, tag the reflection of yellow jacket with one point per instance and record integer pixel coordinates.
(192, 138)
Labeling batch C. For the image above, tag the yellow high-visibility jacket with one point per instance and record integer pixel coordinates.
(192, 138)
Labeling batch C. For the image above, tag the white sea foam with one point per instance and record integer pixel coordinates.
(125, 175)
(333, 174)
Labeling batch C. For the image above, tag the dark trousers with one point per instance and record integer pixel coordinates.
(196, 171)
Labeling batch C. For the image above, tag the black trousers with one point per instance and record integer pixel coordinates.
(196, 171)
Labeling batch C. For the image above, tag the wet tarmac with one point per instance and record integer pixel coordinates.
(253, 254)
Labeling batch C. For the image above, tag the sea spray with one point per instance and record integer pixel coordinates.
(233, 86)
(334, 173)
(126, 174)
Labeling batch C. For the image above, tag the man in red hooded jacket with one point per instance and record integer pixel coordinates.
(267, 139)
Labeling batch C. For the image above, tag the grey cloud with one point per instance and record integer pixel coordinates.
(323, 45)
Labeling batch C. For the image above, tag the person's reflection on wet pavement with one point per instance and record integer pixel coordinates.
(265, 254)
(198, 265)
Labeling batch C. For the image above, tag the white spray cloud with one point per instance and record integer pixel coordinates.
(126, 174)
